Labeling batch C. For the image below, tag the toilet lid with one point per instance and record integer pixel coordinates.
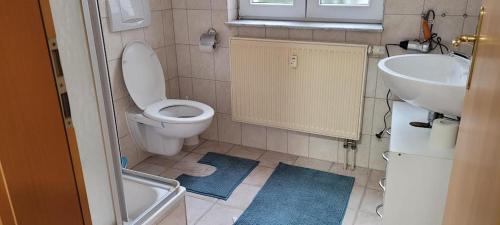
(143, 74)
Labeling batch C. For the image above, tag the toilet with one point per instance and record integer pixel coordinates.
(159, 125)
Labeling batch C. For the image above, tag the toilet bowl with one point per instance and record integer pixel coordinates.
(159, 125)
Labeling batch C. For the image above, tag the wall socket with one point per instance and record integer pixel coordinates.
(293, 61)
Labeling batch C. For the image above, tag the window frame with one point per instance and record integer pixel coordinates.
(312, 10)
(371, 13)
(282, 12)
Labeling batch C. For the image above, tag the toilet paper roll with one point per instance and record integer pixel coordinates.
(444, 133)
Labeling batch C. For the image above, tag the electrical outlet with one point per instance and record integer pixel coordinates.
(293, 61)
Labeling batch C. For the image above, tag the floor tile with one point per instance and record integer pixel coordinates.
(220, 215)
(196, 208)
(190, 148)
(313, 163)
(258, 176)
(171, 173)
(194, 169)
(271, 159)
(355, 198)
(360, 174)
(349, 217)
(149, 168)
(364, 218)
(213, 146)
(371, 199)
(160, 161)
(202, 197)
(375, 176)
(246, 152)
(241, 197)
(192, 157)
(177, 156)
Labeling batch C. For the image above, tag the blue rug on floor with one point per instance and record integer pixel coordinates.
(231, 171)
(299, 196)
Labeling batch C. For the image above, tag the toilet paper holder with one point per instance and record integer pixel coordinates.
(208, 40)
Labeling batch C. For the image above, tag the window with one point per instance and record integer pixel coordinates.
(367, 11)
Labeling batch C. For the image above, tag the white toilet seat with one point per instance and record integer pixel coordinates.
(186, 112)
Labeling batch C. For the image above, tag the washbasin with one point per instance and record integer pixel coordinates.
(434, 82)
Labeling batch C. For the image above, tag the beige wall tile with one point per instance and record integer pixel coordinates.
(298, 143)
(204, 91)
(183, 60)
(156, 5)
(168, 27)
(219, 4)
(173, 88)
(180, 26)
(371, 38)
(277, 33)
(450, 7)
(116, 79)
(404, 7)
(371, 77)
(224, 33)
(179, 4)
(154, 33)
(368, 116)
(277, 140)
(229, 131)
(168, 4)
(185, 88)
(202, 63)
(162, 57)
(379, 111)
(400, 27)
(199, 22)
(133, 35)
(474, 6)
(112, 40)
(329, 35)
(253, 136)
(128, 149)
(212, 132)
(256, 32)
(221, 58)
(198, 4)
(448, 27)
(223, 92)
(171, 61)
(121, 106)
(300, 34)
(324, 148)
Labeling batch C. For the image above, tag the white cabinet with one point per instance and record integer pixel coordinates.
(417, 174)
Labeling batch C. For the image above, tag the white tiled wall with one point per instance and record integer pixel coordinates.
(205, 76)
(160, 36)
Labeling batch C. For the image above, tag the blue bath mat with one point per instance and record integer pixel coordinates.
(231, 171)
(299, 196)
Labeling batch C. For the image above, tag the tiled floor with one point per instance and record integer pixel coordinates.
(202, 210)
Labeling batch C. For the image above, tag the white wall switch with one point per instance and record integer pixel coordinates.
(293, 61)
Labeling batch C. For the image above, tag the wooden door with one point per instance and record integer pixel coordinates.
(474, 192)
(39, 183)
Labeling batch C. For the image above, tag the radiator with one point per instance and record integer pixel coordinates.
(322, 95)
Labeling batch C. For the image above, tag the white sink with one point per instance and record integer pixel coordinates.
(434, 82)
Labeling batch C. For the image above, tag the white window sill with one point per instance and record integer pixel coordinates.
(366, 27)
